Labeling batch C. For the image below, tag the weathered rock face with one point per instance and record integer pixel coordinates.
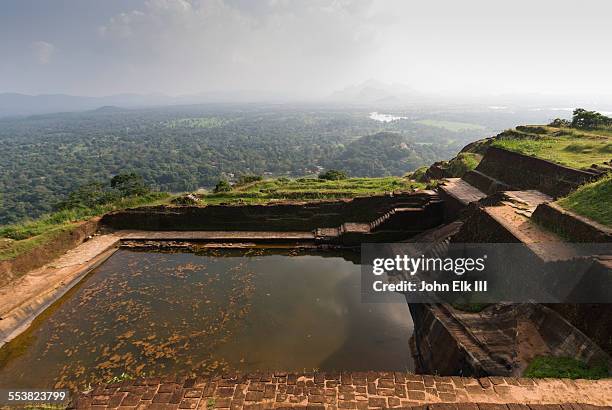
(295, 216)
(525, 172)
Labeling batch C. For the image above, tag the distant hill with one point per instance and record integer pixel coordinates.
(382, 154)
(376, 92)
(109, 108)
(13, 104)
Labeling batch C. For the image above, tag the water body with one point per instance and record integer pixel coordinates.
(385, 117)
(148, 313)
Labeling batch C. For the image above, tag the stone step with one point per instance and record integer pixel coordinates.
(525, 202)
(391, 214)
(213, 235)
(485, 183)
(461, 191)
(355, 227)
(534, 236)
(474, 346)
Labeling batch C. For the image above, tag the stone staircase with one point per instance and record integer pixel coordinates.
(396, 219)
(487, 209)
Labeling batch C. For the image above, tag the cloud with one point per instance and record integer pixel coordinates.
(216, 44)
(43, 51)
(303, 48)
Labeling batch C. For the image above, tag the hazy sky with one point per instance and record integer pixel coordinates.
(305, 48)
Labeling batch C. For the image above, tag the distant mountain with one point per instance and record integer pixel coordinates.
(13, 104)
(109, 108)
(376, 92)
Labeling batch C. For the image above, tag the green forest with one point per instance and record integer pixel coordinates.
(175, 149)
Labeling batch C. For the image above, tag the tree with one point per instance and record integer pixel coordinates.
(333, 175)
(129, 184)
(559, 123)
(589, 119)
(222, 186)
(88, 196)
(247, 179)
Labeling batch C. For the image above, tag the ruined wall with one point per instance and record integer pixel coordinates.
(291, 216)
(438, 351)
(46, 252)
(525, 172)
(593, 319)
(563, 339)
(571, 225)
(480, 227)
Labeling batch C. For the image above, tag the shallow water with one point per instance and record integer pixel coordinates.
(149, 313)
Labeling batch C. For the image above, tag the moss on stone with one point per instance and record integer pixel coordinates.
(564, 367)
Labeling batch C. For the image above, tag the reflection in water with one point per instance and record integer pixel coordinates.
(145, 313)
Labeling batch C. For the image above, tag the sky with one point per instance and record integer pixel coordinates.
(307, 48)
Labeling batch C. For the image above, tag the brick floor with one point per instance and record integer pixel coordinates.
(359, 391)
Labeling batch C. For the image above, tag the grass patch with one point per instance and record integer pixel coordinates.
(572, 148)
(564, 367)
(470, 307)
(462, 163)
(592, 200)
(450, 125)
(19, 238)
(279, 189)
(418, 174)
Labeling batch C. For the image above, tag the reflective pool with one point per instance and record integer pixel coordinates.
(151, 313)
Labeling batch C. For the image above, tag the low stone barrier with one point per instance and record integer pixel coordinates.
(290, 216)
(525, 172)
(571, 225)
(45, 253)
(346, 390)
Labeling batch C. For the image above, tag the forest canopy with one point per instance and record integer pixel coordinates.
(47, 157)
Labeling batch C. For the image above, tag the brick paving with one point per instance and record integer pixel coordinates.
(371, 390)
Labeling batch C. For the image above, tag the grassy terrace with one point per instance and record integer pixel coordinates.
(592, 200)
(19, 238)
(566, 146)
(281, 189)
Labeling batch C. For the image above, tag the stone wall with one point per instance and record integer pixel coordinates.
(48, 251)
(593, 319)
(438, 350)
(525, 172)
(571, 225)
(290, 216)
(563, 339)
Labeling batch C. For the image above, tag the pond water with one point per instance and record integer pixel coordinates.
(151, 313)
(376, 116)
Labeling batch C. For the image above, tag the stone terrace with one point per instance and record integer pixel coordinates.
(346, 391)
